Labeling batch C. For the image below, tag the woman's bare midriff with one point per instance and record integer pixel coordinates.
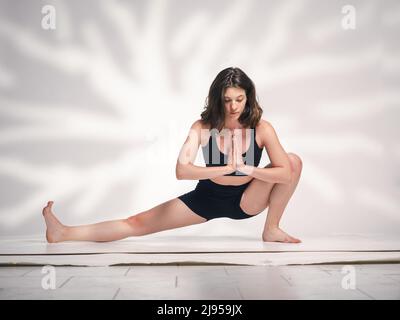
(229, 180)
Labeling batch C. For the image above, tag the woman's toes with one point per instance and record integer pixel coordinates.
(295, 240)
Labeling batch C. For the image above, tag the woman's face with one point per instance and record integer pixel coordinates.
(234, 101)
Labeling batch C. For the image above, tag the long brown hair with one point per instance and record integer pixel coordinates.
(214, 113)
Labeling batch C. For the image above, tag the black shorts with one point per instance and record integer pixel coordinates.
(211, 200)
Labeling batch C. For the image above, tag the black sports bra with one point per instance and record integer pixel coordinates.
(213, 157)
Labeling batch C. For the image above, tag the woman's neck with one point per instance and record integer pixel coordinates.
(233, 125)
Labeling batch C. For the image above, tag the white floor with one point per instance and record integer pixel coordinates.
(156, 249)
(190, 268)
(371, 281)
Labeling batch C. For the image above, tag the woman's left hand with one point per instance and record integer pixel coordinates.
(238, 152)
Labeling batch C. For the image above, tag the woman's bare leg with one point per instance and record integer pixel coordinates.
(278, 200)
(168, 215)
(260, 195)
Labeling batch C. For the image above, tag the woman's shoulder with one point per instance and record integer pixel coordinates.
(264, 125)
(202, 129)
(263, 129)
(199, 124)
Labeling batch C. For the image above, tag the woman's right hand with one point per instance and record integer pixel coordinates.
(231, 162)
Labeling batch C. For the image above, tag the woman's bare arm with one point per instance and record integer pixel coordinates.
(280, 171)
(185, 169)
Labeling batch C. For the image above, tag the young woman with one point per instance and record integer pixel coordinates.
(232, 136)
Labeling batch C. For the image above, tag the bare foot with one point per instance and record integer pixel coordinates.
(55, 229)
(278, 235)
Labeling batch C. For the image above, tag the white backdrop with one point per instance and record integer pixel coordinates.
(94, 112)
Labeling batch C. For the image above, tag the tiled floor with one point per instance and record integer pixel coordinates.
(223, 282)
